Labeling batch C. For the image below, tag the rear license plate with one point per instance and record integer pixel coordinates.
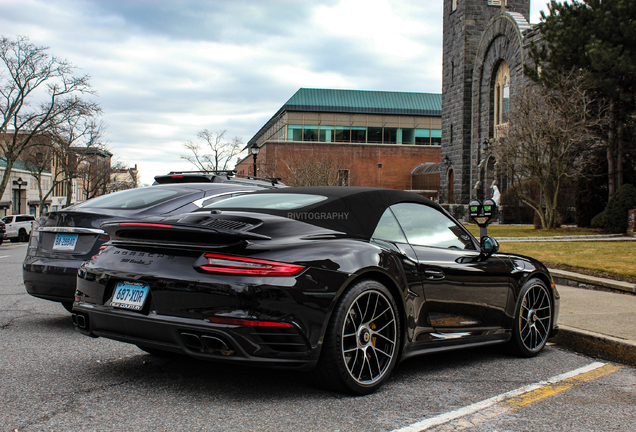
(129, 295)
(65, 242)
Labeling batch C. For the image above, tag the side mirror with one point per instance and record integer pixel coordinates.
(489, 246)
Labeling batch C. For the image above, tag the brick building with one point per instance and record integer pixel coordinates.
(364, 138)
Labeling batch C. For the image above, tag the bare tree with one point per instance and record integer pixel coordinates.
(94, 171)
(76, 140)
(551, 131)
(123, 177)
(28, 71)
(222, 153)
(319, 170)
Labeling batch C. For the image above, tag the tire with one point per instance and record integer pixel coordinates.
(13, 239)
(362, 341)
(23, 236)
(533, 319)
(68, 306)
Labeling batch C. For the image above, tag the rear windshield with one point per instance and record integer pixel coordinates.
(269, 201)
(131, 198)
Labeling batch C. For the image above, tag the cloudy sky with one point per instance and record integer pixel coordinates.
(166, 69)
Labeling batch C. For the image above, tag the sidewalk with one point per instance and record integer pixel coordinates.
(598, 316)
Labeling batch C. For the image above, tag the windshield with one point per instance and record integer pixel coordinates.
(131, 198)
(283, 201)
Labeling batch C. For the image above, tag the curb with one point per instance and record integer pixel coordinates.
(597, 345)
(563, 277)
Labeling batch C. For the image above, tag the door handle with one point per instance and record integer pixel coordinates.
(434, 274)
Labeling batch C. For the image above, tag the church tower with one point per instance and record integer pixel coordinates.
(481, 39)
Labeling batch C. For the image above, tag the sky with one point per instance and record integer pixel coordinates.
(167, 69)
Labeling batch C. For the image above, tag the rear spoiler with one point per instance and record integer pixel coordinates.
(144, 232)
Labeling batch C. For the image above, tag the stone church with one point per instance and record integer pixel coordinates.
(486, 44)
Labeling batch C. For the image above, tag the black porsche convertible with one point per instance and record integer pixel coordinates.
(344, 281)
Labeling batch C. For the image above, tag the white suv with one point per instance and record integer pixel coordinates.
(18, 227)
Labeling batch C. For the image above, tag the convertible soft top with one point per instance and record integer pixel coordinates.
(355, 211)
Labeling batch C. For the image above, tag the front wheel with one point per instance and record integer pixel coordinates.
(362, 340)
(23, 236)
(533, 319)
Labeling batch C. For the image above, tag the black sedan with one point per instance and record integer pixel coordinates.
(62, 240)
(344, 281)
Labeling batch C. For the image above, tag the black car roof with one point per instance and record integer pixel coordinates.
(352, 210)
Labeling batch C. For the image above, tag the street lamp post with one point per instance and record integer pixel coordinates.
(19, 183)
(254, 149)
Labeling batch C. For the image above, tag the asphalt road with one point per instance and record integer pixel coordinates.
(54, 379)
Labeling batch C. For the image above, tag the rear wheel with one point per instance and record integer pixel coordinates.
(533, 319)
(362, 341)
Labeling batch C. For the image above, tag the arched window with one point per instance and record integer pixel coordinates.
(502, 100)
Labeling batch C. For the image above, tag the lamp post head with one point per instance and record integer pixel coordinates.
(254, 149)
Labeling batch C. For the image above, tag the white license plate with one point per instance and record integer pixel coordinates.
(65, 242)
(129, 295)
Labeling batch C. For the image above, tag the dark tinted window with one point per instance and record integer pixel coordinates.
(132, 198)
(425, 226)
(269, 201)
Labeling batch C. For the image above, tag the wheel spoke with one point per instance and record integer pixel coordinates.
(372, 313)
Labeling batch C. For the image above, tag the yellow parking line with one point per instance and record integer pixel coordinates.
(556, 388)
(480, 412)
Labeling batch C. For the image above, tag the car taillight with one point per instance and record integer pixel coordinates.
(145, 224)
(250, 323)
(101, 249)
(226, 264)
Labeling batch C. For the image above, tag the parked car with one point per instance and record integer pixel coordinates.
(18, 227)
(3, 232)
(65, 238)
(344, 281)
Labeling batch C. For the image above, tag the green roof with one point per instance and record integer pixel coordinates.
(363, 101)
(18, 165)
(358, 102)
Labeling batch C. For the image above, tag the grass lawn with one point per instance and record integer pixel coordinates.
(498, 231)
(612, 258)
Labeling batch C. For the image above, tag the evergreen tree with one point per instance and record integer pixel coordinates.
(598, 37)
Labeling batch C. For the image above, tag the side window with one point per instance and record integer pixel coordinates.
(389, 229)
(425, 226)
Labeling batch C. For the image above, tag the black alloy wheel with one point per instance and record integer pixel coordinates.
(533, 319)
(362, 341)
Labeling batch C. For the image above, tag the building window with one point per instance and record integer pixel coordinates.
(501, 100)
(453, 5)
(343, 134)
(310, 133)
(497, 2)
(358, 134)
(294, 132)
(407, 136)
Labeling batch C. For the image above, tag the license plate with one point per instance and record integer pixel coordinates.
(65, 242)
(129, 295)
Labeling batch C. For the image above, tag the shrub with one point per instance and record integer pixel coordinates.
(616, 212)
(598, 221)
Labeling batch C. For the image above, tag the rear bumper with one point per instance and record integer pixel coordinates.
(53, 280)
(280, 348)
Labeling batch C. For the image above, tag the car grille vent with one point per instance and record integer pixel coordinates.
(227, 224)
(280, 339)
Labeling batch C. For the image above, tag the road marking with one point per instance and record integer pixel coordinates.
(512, 400)
(5, 256)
